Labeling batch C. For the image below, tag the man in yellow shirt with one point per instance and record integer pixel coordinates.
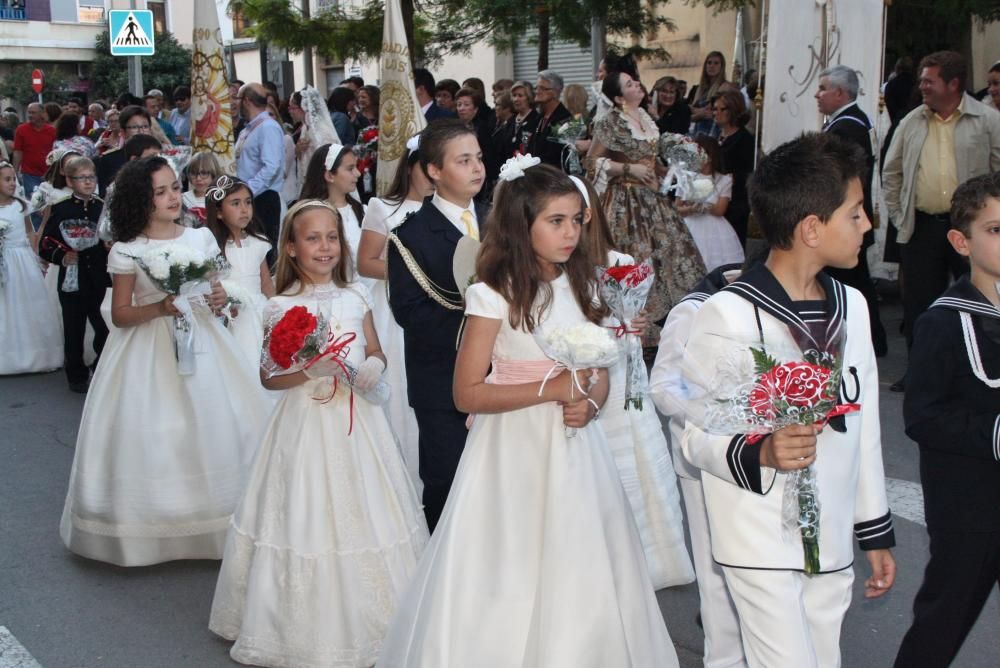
(944, 142)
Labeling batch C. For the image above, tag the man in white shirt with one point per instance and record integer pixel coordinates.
(260, 158)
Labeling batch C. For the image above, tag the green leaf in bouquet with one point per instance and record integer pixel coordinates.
(762, 362)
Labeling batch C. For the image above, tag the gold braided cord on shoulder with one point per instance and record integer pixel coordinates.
(434, 291)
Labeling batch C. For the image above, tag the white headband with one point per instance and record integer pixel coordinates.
(582, 187)
(332, 155)
(413, 144)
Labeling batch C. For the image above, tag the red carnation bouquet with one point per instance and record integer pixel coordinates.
(767, 390)
(297, 339)
(625, 287)
(367, 151)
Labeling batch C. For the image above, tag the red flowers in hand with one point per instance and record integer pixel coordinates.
(792, 384)
(289, 335)
(628, 275)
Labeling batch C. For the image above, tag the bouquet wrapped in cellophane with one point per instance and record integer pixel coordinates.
(79, 235)
(297, 339)
(624, 289)
(568, 134)
(684, 159)
(758, 389)
(186, 273)
(576, 347)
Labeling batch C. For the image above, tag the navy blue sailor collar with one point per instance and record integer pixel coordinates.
(965, 297)
(762, 289)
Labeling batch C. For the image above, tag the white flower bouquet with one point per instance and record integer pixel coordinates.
(568, 134)
(576, 347)
(184, 272)
(237, 297)
(684, 158)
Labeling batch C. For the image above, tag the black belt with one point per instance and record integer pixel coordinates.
(936, 217)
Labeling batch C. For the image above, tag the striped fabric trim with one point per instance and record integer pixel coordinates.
(967, 305)
(696, 297)
(875, 534)
(744, 463)
(996, 439)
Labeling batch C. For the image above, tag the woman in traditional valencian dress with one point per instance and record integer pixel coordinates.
(643, 222)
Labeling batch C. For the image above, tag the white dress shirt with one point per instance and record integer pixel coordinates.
(453, 212)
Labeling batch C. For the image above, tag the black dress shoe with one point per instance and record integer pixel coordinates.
(899, 385)
(80, 387)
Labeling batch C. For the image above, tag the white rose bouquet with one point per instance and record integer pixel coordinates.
(236, 297)
(577, 347)
(685, 159)
(184, 272)
(568, 134)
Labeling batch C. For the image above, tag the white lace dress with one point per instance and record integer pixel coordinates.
(30, 323)
(329, 531)
(382, 218)
(536, 560)
(642, 456)
(714, 235)
(161, 459)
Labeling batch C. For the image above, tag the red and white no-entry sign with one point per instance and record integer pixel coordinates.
(37, 80)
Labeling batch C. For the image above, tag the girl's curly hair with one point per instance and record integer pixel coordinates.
(132, 202)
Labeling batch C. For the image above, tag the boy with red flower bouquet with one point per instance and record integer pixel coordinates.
(792, 460)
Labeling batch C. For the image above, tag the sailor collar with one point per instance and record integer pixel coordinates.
(762, 289)
(964, 297)
(712, 283)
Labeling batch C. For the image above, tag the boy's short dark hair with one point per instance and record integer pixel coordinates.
(423, 77)
(447, 85)
(435, 137)
(970, 198)
(951, 65)
(806, 176)
(136, 145)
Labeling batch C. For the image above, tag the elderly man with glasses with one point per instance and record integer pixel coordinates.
(553, 114)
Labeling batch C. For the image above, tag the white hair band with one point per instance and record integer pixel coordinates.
(582, 187)
(331, 156)
(413, 144)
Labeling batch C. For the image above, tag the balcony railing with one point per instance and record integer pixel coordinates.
(12, 14)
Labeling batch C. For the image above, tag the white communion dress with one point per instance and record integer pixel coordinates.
(30, 323)
(714, 235)
(642, 456)
(330, 529)
(536, 560)
(162, 458)
(382, 217)
(248, 326)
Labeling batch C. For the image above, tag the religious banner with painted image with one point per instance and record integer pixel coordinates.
(399, 116)
(211, 120)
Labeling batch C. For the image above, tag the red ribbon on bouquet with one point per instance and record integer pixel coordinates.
(337, 351)
(622, 329)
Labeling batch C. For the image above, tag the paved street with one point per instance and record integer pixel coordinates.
(63, 610)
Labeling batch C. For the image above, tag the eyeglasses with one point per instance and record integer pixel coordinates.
(138, 128)
(86, 178)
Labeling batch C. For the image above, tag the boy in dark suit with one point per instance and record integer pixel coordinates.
(427, 303)
(952, 411)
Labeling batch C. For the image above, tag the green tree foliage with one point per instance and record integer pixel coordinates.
(169, 67)
(16, 85)
(452, 26)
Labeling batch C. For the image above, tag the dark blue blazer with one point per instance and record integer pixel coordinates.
(430, 331)
(434, 112)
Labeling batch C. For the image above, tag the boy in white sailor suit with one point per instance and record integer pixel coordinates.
(952, 410)
(808, 198)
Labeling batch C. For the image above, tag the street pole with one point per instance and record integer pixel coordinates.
(598, 42)
(134, 69)
(307, 53)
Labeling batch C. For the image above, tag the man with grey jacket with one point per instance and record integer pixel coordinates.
(942, 143)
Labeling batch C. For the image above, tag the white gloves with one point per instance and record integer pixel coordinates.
(369, 374)
(323, 368)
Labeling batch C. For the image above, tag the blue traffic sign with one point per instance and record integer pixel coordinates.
(131, 32)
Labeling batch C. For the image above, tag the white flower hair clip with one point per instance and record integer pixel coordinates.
(218, 191)
(413, 144)
(331, 156)
(514, 167)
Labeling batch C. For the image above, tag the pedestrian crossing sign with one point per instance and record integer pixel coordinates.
(131, 32)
